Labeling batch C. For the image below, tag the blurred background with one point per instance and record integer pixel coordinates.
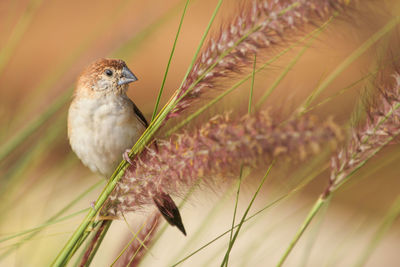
(44, 45)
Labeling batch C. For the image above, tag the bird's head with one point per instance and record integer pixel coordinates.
(105, 76)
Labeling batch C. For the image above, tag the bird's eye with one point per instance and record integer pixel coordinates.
(108, 72)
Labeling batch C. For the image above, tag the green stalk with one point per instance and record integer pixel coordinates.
(195, 114)
(36, 94)
(253, 74)
(169, 61)
(293, 62)
(245, 215)
(66, 252)
(322, 199)
(129, 243)
(32, 127)
(305, 182)
(387, 222)
(241, 167)
(234, 211)
(210, 216)
(314, 210)
(52, 220)
(141, 245)
(350, 59)
(18, 138)
(104, 229)
(19, 30)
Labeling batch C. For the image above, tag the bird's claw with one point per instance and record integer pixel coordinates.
(126, 157)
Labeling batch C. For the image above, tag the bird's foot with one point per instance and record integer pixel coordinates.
(126, 157)
(92, 204)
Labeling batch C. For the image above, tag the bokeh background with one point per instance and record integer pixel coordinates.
(44, 45)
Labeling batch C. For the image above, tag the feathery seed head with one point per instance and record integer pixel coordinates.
(260, 25)
(216, 149)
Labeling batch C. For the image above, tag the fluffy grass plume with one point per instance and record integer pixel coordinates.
(260, 24)
(382, 125)
(217, 148)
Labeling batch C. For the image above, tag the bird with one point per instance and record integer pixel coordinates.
(104, 123)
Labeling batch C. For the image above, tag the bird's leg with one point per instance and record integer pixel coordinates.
(126, 157)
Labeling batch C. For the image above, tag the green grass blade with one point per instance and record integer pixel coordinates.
(241, 167)
(387, 222)
(293, 62)
(169, 61)
(245, 214)
(314, 233)
(306, 181)
(67, 251)
(340, 92)
(43, 225)
(323, 198)
(129, 243)
(33, 126)
(141, 245)
(350, 59)
(133, 44)
(18, 138)
(98, 243)
(203, 38)
(195, 114)
(211, 215)
(253, 74)
(19, 30)
(314, 210)
(52, 220)
(236, 201)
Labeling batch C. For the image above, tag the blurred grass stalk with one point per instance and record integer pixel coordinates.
(5, 151)
(323, 199)
(92, 250)
(156, 123)
(388, 220)
(49, 136)
(65, 253)
(125, 50)
(18, 31)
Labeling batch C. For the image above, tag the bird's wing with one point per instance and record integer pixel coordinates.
(140, 115)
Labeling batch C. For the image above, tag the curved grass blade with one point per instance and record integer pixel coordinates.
(350, 59)
(196, 113)
(244, 215)
(293, 62)
(271, 204)
(38, 228)
(314, 210)
(66, 252)
(18, 138)
(241, 167)
(17, 33)
(322, 200)
(169, 61)
(51, 221)
(387, 222)
(32, 127)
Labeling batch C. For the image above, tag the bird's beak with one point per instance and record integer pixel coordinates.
(127, 76)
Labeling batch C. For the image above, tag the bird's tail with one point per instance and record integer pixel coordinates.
(169, 210)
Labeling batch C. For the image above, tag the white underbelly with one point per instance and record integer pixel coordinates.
(100, 137)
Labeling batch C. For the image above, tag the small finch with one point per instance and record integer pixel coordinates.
(103, 123)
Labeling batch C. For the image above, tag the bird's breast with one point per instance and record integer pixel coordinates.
(101, 130)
